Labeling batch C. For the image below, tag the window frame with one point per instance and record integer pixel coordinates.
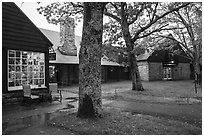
(23, 66)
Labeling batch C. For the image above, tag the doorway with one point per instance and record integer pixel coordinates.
(167, 73)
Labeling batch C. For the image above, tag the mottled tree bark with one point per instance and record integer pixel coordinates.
(135, 75)
(90, 103)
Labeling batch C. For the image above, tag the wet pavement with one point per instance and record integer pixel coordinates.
(21, 119)
(16, 117)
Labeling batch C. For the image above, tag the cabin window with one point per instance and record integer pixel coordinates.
(25, 67)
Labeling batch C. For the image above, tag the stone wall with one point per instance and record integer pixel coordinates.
(67, 38)
(155, 71)
(144, 70)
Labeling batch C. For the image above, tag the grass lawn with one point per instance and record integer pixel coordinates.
(153, 88)
(115, 122)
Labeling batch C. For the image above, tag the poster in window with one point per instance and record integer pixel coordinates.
(18, 82)
(18, 54)
(41, 75)
(11, 68)
(11, 53)
(35, 82)
(30, 68)
(18, 68)
(42, 63)
(24, 68)
(11, 60)
(30, 62)
(24, 54)
(24, 61)
(41, 68)
(11, 84)
(41, 81)
(18, 61)
(18, 75)
(24, 75)
(30, 81)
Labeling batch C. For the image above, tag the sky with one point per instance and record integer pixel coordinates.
(30, 9)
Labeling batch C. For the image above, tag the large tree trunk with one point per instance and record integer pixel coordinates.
(135, 75)
(90, 103)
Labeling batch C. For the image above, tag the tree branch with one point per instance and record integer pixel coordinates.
(155, 20)
(112, 16)
(114, 5)
(188, 51)
(137, 15)
(154, 12)
(76, 5)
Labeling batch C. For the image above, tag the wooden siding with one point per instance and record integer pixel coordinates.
(18, 31)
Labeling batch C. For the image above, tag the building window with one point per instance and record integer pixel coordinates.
(25, 67)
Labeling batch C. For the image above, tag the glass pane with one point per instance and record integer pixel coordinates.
(24, 75)
(11, 53)
(30, 81)
(18, 75)
(29, 55)
(12, 76)
(42, 56)
(24, 68)
(36, 74)
(24, 54)
(41, 68)
(11, 68)
(36, 68)
(42, 63)
(18, 61)
(35, 82)
(30, 68)
(36, 62)
(24, 81)
(11, 60)
(18, 82)
(18, 54)
(11, 84)
(18, 68)
(30, 62)
(24, 61)
(42, 81)
(41, 75)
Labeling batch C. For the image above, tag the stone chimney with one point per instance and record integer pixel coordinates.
(67, 38)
